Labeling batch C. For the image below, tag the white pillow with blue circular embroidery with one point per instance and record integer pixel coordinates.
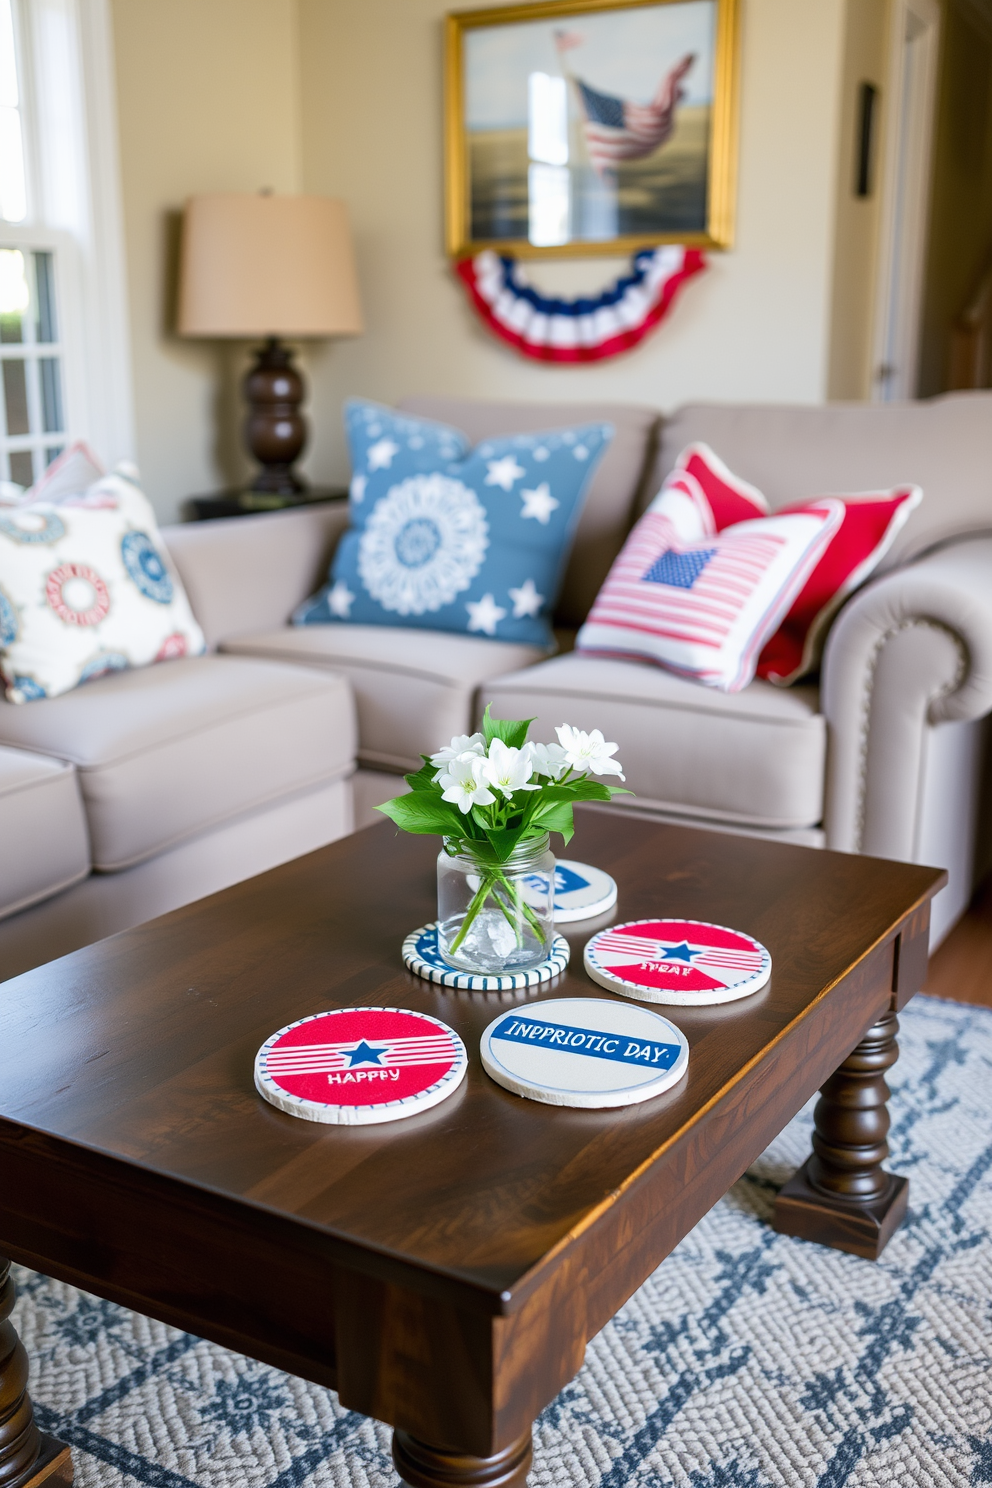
(87, 588)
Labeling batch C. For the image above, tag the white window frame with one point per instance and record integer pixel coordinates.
(84, 231)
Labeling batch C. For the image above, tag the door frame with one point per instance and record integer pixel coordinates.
(906, 182)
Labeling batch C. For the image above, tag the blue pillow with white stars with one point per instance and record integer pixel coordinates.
(447, 537)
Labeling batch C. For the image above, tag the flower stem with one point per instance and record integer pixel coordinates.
(491, 880)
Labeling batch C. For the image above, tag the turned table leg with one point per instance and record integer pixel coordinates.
(28, 1457)
(842, 1196)
(422, 1466)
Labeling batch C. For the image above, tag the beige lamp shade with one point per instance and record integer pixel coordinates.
(267, 266)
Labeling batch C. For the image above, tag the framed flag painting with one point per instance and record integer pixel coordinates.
(591, 126)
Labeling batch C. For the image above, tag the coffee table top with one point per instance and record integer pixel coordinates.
(140, 1048)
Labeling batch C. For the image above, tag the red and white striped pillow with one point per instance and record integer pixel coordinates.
(871, 521)
(713, 586)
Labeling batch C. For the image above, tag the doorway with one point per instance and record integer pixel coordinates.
(912, 78)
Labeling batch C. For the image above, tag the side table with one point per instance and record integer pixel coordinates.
(245, 503)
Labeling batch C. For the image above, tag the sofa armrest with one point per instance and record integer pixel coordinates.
(250, 573)
(912, 650)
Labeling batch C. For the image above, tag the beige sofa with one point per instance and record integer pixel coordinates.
(145, 790)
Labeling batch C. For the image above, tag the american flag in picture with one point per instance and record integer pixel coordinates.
(617, 129)
(706, 608)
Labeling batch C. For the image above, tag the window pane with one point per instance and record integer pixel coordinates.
(14, 294)
(13, 201)
(15, 396)
(22, 468)
(47, 326)
(53, 454)
(8, 58)
(51, 395)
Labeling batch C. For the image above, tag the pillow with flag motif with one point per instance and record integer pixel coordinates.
(699, 601)
(871, 521)
(444, 536)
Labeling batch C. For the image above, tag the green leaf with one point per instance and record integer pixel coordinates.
(554, 816)
(513, 732)
(424, 814)
(423, 779)
(503, 840)
(576, 790)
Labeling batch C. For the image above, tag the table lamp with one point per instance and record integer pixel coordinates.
(269, 266)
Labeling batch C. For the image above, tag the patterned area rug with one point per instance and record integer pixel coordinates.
(748, 1360)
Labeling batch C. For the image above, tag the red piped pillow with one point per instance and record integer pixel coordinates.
(730, 498)
(871, 521)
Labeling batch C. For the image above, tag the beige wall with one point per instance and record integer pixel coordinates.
(344, 97)
(857, 220)
(756, 325)
(208, 100)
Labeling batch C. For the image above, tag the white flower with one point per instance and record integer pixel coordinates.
(588, 751)
(424, 544)
(463, 783)
(508, 769)
(549, 760)
(460, 746)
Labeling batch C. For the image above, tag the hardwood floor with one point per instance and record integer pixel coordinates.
(961, 968)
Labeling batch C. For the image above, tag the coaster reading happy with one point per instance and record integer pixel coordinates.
(682, 962)
(584, 1051)
(360, 1066)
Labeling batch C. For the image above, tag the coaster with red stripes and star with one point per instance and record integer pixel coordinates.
(687, 962)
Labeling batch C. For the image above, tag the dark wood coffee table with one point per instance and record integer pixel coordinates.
(445, 1273)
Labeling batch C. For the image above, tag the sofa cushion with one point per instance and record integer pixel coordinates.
(414, 689)
(447, 536)
(753, 758)
(86, 589)
(790, 453)
(613, 492)
(42, 829)
(166, 752)
(703, 602)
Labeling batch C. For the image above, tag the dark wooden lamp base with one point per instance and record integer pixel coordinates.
(275, 429)
(842, 1196)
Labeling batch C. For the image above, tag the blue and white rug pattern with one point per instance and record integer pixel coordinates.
(748, 1360)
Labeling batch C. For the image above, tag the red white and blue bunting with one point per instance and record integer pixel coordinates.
(585, 329)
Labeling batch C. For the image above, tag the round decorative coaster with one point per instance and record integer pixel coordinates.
(421, 956)
(584, 1051)
(581, 891)
(360, 1066)
(682, 962)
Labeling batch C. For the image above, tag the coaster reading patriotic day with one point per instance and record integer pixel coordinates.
(682, 962)
(360, 1066)
(584, 1051)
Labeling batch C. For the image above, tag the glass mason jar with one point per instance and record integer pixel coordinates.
(492, 916)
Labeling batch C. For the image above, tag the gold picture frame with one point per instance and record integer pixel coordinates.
(551, 163)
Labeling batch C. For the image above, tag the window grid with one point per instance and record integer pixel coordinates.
(32, 422)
